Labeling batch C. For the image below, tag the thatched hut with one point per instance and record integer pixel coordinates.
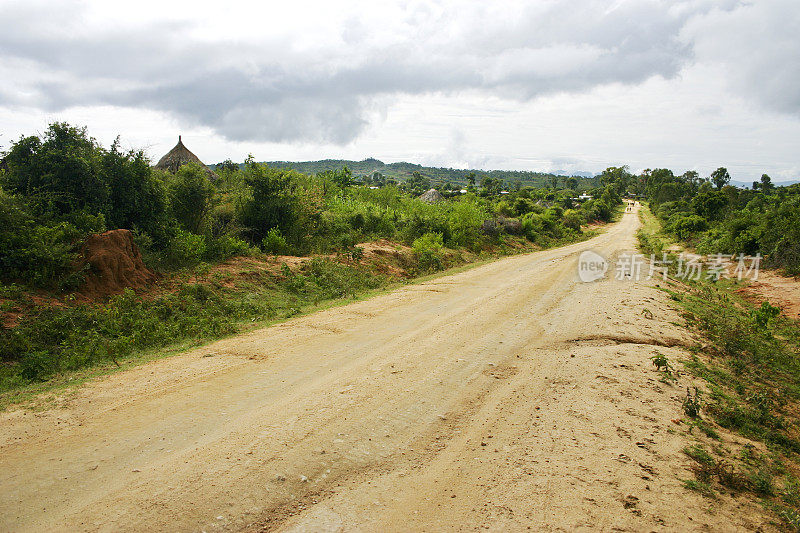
(431, 196)
(179, 156)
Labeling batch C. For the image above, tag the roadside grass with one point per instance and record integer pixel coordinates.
(67, 345)
(749, 362)
(651, 239)
(57, 341)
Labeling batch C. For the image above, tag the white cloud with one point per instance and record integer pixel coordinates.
(511, 84)
(758, 46)
(247, 87)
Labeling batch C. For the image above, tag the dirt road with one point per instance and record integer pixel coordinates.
(507, 397)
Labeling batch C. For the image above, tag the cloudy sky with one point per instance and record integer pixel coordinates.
(539, 85)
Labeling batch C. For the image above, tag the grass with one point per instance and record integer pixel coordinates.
(651, 239)
(57, 341)
(749, 362)
(698, 486)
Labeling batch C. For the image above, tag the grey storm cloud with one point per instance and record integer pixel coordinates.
(758, 47)
(270, 91)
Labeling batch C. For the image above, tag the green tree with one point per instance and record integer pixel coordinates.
(138, 197)
(191, 196)
(692, 177)
(59, 173)
(572, 183)
(720, 177)
(274, 202)
(617, 177)
(766, 183)
(343, 178)
(227, 166)
(491, 186)
(418, 183)
(709, 203)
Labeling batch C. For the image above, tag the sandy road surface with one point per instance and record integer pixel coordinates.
(507, 397)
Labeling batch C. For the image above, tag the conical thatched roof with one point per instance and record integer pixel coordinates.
(431, 196)
(179, 156)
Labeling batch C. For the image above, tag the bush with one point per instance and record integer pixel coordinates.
(41, 254)
(572, 219)
(428, 250)
(465, 220)
(335, 280)
(226, 247)
(764, 314)
(186, 249)
(684, 226)
(274, 243)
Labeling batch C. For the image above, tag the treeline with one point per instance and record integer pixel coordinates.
(716, 217)
(57, 188)
(373, 171)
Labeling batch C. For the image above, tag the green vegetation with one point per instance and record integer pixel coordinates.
(755, 374)
(752, 372)
(418, 178)
(58, 188)
(663, 366)
(715, 217)
(59, 339)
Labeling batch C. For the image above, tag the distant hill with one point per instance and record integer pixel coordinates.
(749, 184)
(578, 174)
(438, 175)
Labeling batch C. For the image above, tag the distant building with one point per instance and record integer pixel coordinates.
(431, 196)
(179, 156)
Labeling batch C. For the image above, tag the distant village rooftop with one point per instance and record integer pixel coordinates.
(179, 156)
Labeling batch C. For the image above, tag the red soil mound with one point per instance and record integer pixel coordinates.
(114, 264)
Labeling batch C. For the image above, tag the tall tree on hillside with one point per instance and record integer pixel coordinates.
(709, 203)
(692, 177)
(720, 177)
(766, 183)
(491, 185)
(138, 198)
(617, 177)
(227, 166)
(275, 202)
(418, 183)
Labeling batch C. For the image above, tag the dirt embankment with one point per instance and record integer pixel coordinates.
(779, 290)
(111, 262)
(507, 397)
